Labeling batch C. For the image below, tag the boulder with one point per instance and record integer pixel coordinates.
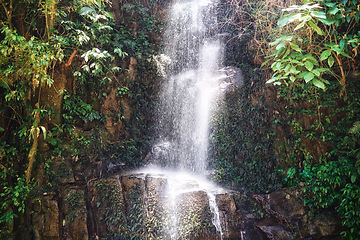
(287, 216)
(230, 216)
(194, 216)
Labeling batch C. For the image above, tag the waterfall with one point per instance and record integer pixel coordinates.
(190, 86)
(190, 89)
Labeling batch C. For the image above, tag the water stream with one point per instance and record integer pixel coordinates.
(190, 86)
(189, 91)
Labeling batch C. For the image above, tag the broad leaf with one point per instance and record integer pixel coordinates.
(309, 66)
(321, 15)
(316, 72)
(302, 24)
(318, 83)
(280, 45)
(325, 54)
(334, 11)
(327, 21)
(295, 47)
(316, 28)
(331, 61)
(308, 77)
(86, 10)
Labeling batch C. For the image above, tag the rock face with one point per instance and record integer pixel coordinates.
(286, 217)
(158, 206)
(141, 205)
(46, 218)
(231, 78)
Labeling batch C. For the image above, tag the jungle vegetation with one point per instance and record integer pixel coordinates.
(58, 59)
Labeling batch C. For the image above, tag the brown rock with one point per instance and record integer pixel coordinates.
(285, 204)
(46, 218)
(230, 217)
(194, 216)
(274, 230)
(75, 215)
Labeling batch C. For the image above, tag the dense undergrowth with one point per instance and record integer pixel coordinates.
(59, 62)
(312, 57)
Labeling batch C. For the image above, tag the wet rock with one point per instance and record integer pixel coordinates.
(230, 216)
(109, 107)
(285, 204)
(46, 218)
(231, 78)
(288, 216)
(74, 222)
(158, 153)
(156, 186)
(106, 206)
(133, 184)
(275, 231)
(194, 216)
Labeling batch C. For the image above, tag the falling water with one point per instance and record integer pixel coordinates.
(189, 88)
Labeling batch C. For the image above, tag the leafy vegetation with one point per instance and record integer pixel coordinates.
(59, 62)
(315, 64)
(308, 52)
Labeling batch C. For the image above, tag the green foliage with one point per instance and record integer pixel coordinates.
(242, 140)
(25, 61)
(13, 199)
(322, 153)
(112, 205)
(33, 46)
(75, 206)
(77, 110)
(325, 41)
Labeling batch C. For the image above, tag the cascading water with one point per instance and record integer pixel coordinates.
(189, 92)
(189, 88)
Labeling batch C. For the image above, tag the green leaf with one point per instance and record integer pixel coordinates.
(345, 55)
(288, 19)
(353, 178)
(330, 4)
(264, 63)
(308, 77)
(325, 54)
(295, 47)
(294, 70)
(318, 83)
(286, 53)
(331, 61)
(273, 79)
(283, 21)
(334, 10)
(342, 43)
(280, 45)
(311, 59)
(302, 75)
(317, 15)
(316, 72)
(302, 24)
(86, 10)
(309, 65)
(316, 28)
